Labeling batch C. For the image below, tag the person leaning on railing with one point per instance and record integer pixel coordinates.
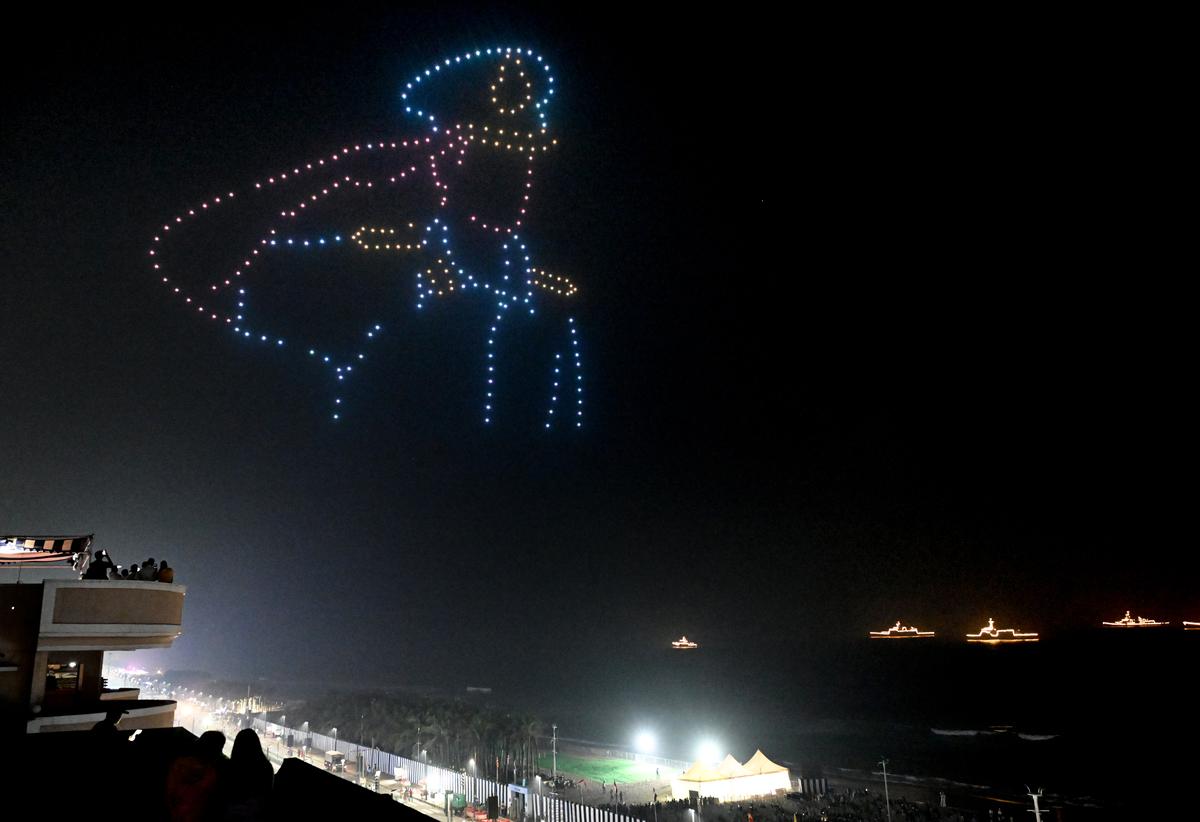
(165, 572)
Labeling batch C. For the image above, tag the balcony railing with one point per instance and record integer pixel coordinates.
(81, 716)
(109, 614)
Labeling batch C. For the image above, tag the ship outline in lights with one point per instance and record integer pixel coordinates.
(1191, 626)
(1129, 621)
(684, 644)
(991, 635)
(899, 631)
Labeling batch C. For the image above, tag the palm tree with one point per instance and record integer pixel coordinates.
(481, 727)
(432, 729)
(532, 728)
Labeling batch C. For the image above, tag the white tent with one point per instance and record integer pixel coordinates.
(730, 781)
(759, 764)
(729, 768)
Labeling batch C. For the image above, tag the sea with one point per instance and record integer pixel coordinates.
(1103, 717)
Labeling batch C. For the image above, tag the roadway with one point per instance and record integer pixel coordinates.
(276, 751)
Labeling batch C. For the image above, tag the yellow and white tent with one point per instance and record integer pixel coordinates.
(729, 768)
(730, 781)
(759, 764)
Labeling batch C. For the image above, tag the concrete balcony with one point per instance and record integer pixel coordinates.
(122, 694)
(82, 715)
(109, 615)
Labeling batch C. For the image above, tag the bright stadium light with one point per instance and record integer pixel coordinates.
(708, 752)
(645, 742)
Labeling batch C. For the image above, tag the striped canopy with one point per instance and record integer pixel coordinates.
(16, 549)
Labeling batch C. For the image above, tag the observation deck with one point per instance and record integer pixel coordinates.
(54, 631)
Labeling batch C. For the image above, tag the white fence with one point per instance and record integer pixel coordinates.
(553, 809)
(476, 789)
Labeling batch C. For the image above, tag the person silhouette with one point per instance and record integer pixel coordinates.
(107, 727)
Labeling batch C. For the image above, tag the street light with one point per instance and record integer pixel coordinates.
(887, 800)
(1037, 811)
(358, 759)
(645, 742)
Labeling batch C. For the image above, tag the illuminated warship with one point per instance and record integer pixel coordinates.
(992, 635)
(1141, 622)
(899, 631)
(1191, 626)
(683, 644)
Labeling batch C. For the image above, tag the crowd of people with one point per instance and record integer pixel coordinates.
(102, 567)
(837, 805)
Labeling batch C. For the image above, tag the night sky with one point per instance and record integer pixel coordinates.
(875, 327)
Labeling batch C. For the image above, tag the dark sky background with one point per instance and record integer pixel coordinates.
(879, 323)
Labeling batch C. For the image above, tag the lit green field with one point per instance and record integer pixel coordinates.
(596, 769)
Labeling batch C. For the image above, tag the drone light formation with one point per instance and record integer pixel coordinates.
(440, 159)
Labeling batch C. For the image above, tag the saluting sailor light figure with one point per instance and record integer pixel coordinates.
(485, 175)
(452, 202)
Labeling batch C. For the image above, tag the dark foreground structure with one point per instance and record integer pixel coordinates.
(167, 774)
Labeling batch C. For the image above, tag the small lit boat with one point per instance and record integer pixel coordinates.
(683, 644)
(992, 635)
(1191, 626)
(899, 631)
(1129, 622)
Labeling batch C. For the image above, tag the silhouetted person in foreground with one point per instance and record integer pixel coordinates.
(194, 790)
(107, 727)
(250, 777)
(213, 743)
